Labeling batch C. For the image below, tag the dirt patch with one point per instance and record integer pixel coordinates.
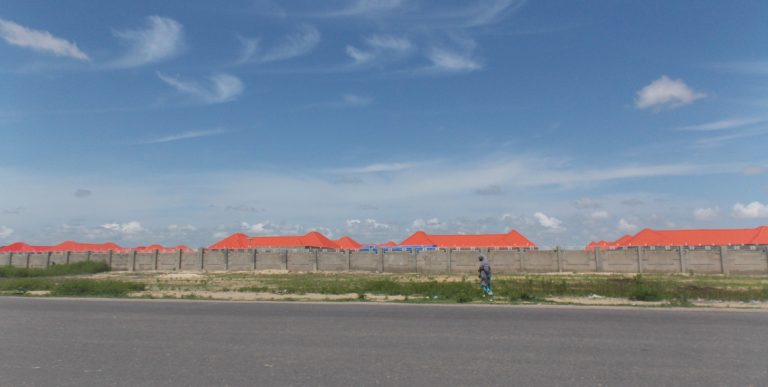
(604, 301)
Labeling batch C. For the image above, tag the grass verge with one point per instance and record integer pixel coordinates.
(71, 287)
(85, 267)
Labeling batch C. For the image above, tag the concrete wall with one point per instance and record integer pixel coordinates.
(365, 261)
(271, 260)
(303, 260)
(675, 260)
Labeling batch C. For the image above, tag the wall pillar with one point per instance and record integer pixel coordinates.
(285, 259)
(28, 258)
(450, 261)
(226, 259)
(48, 260)
(156, 257)
(640, 260)
(201, 252)
(683, 264)
(349, 260)
(415, 261)
(88, 256)
(724, 260)
(559, 255)
(521, 256)
(598, 260)
(178, 264)
(10, 259)
(253, 259)
(67, 257)
(381, 259)
(132, 266)
(109, 260)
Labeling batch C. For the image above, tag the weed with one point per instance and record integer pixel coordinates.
(85, 267)
(83, 287)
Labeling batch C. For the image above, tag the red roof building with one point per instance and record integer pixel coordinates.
(311, 239)
(696, 237)
(348, 243)
(512, 239)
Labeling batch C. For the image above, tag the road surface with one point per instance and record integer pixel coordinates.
(75, 342)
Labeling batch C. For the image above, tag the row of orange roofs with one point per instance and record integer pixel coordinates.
(21, 247)
(314, 239)
(710, 237)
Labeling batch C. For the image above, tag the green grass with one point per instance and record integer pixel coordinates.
(530, 288)
(71, 287)
(85, 267)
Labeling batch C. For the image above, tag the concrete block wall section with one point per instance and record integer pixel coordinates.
(432, 262)
(364, 261)
(676, 260)
(399, 262)
(303, 260)
(578, 261)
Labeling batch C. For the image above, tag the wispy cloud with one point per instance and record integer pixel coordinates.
(160, 39)
(219, 88)
(301, 42)
(730, 123)
(39, 40)
(380, 47)
(364, 8)
(375, 168)
(706, 213)
(717, 141)
(666, 93)
(185, 136)
(457, 57)
(5, 232)
(480, 13)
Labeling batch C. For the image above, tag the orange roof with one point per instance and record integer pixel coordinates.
(162, 249)
(76, 246)
(510, 239)
(348, 243)
(695, 237)
(21, 247)
(242, 241)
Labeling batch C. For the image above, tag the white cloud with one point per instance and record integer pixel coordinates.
(730, 123)
(626, 226)
(365, 8)
(185, 136)
(480, 13)
(549, 222)
(160, 39)
(5, 232)
(429, 224)
(380, 47)
(376, 168)
(600, 215)
(219, 88)
(666, 93)
(706, 213)
(304, 40)
(717, 141)
(258, 228)
(130, 228)
(751, 210)
(448, 60)
(39, 40)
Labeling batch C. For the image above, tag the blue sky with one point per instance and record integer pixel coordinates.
(185, 121)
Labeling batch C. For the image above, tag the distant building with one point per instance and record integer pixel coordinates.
(311, 239)
(510, 240)
(699, 237)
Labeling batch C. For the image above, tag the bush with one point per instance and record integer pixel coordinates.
(82, 288)
(643, 293)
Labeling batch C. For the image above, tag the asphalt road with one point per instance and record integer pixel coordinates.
(63, 342)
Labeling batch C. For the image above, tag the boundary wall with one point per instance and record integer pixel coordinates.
(717, 260)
